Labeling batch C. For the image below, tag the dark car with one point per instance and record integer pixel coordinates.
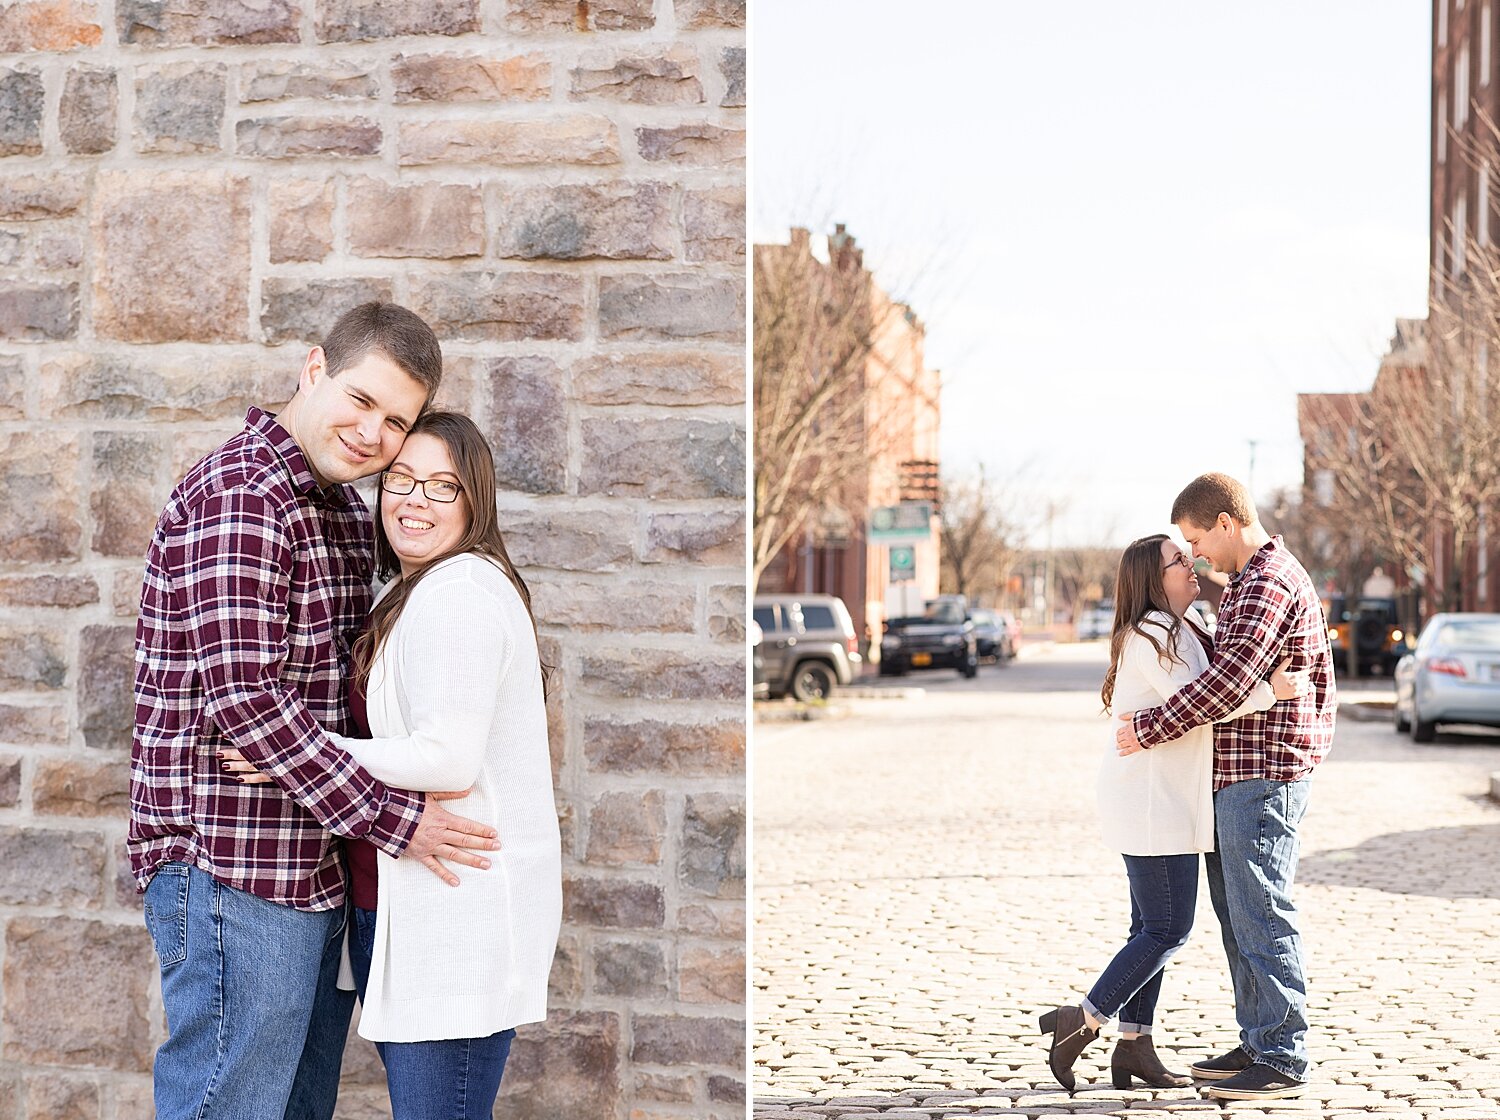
(1372, 627)
(940, 638)
(992, 636)
(808, 644)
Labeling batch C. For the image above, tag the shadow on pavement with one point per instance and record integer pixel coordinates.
(1436, 862)
(926, 1104)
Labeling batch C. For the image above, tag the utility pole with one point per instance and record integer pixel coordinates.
(1250, 481)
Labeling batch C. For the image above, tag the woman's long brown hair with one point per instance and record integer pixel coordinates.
(475, 467)
(1138, 591)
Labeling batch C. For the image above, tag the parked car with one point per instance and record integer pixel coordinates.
(760, 687)
(1372, 625)
(940, 638)
(992, 636)
(1453, 676)
(809, 644)
(1096, 621)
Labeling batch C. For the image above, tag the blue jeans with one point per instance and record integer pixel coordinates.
(1163, 896)
(446, 1079)
(250, 1031)
(1250, 883)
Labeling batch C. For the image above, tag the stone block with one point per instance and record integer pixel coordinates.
(549, 140)
(700, 538)
(656, 674)
(126, 497)
(616, 221)
(666, 458)
(711, 974)
(669, 78)
(74, 787)
(717, 919)
(13, 379)
(32, 725)
(699, 145)
(633, 969)
(49, 867)
(112, 386)
(180, 108)
(346, 21)
(48, 591)
(10, 782)
(732, 66)
(695, 14)
(613, 903)
(86, 115)
(726, 613)
(22, 99)
(569, 15)
(307, 137)
(40, 498)
(51, 1096)
(419, 220)
(301, 219)
(29, 198)
(57, 251)
(281, 80)
(171, 253)
(672, 306)
(31, 312)
(729, 1090)
(37, 658)
(627, 827)
(713, 225)
(302, 310)
(49, 25)
(675, 1040)
(568, 1066)
(565, 983)
(685, 377)
(664, 1087)
(157, 23)
(615, 606)
(711, 860)
(134, 1099)
(11, 244)
(501, 306)
(528, 423)
(648, 746)
(600, 542)
(125, 595)
(42, 957)
(452, 77)
(106, 686)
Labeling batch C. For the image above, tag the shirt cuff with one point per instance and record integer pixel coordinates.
(1141, 724)
(396, 823)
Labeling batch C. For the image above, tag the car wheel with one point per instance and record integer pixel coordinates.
(970, 668)
(1422, 730)
(812, 680)
(1403, 725)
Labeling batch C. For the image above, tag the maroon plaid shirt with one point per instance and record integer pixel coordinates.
(257, 582)
(1269, 610)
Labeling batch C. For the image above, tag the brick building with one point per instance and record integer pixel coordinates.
(189, 195)
(898, 438)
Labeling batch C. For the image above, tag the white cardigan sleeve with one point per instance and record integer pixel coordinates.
(451, 660)
(1142, 659)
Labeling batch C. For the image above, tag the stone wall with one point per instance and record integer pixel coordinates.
(189, 194)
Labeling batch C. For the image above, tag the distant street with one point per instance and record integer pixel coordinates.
(928, 875)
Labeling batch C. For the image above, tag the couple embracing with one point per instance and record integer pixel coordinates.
(1217, 741)
(293, 742)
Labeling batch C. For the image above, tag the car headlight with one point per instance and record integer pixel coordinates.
(953, 639)
(891, 642)
(1396, 635)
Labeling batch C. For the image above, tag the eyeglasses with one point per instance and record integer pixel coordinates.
(1182, 559)
(436, 489)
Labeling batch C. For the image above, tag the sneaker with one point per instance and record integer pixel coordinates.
(1225, 1065)
(1258, 1083)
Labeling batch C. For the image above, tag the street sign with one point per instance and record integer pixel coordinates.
(907, 522)
(903, 562)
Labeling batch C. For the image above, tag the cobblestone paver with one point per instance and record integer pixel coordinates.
(928, 877)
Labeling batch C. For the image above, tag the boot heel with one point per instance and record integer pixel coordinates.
(1120, 1078)
(1048, 1022)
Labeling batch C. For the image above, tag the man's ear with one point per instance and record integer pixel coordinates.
(313, 370)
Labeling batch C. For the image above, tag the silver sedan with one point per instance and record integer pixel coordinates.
(1453, 676)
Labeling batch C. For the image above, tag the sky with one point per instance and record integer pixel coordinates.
(1134, 231)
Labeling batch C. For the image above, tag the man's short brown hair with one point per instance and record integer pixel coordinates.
(1209, 495)
(399, 334)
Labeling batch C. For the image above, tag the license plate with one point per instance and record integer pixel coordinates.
(921, 659)
(1492, 672)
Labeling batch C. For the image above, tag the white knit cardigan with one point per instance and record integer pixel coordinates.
(1159, 802)
(455, 700)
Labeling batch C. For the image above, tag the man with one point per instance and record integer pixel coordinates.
(1263, 764)
(257, 583)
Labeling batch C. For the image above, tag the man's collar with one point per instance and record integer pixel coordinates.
(281, 441)
(1258, 558)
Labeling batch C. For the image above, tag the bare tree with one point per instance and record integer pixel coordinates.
(981, 539)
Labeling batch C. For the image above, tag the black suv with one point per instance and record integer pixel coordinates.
(940, 638)
(1371, 626)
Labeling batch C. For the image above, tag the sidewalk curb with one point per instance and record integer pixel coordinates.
(1374, 711)
(1495, 786)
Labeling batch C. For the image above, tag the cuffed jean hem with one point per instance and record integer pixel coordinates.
(1123, 1027)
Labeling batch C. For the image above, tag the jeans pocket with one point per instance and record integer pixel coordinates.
(167, 913)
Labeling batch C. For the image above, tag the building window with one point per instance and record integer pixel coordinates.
(1461, 89)
(1442, 126)
(1456, 257)
(1323, 488)
(1484, 557)
(1484, 44)
(1442, 23)
(1482, 205)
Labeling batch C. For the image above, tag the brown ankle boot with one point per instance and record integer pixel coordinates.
(1070, 1034)
(1136, 1057)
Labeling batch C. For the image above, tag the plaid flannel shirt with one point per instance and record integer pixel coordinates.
(257, 583)
(1269, 610)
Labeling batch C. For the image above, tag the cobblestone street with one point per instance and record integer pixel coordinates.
(928, 876)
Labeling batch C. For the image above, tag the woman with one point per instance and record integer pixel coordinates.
(455, 690)
(1156, 808)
